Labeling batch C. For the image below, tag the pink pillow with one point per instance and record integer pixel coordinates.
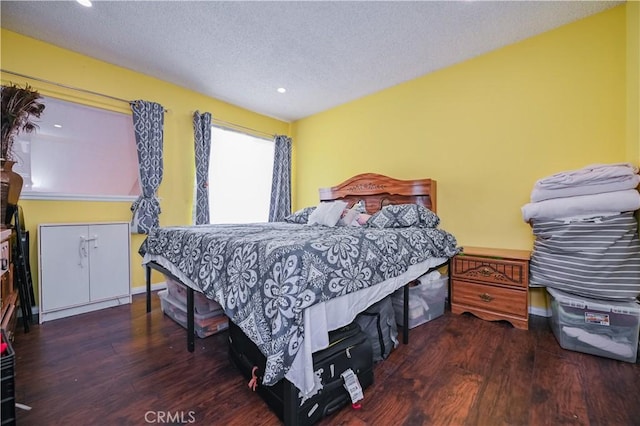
(363, 218)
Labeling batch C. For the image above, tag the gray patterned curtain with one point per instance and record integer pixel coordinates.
(148, 124)
(280, 205)
(202, 141)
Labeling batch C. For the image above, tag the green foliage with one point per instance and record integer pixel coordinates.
(20, 106)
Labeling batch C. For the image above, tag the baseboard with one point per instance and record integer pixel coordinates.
(143, 289)
(84, 308)
(540, 312)
(135, 290)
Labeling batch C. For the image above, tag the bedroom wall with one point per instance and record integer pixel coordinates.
(31, 57)
(633, 85)
(633, 82)
(485, 129)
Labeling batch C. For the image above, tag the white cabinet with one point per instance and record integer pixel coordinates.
(83, 267)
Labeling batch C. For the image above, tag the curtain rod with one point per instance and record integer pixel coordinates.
(234, 126)
(69, 87)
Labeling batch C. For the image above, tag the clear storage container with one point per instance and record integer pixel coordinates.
(201, 303)
(204, 324)
(426, 301)
(598, 327)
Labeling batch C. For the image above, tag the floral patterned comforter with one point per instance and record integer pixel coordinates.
(264, 275)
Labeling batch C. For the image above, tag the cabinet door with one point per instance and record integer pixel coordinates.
(108, 246)
(64, 267)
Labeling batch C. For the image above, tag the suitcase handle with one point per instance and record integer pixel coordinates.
(335, 405)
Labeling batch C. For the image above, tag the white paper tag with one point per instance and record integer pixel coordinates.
(352, 385)
(596, 318)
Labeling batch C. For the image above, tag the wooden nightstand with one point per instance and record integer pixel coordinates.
(492, 284)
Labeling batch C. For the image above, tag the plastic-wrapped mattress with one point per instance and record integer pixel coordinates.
(597, 258)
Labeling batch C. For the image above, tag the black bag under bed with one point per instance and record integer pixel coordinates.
(349, 347)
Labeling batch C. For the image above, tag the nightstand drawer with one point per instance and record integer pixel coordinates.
(490, 298)
(494, 271)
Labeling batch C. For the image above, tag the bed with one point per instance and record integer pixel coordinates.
(287, 284)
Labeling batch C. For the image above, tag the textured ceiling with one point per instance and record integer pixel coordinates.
(324, 53)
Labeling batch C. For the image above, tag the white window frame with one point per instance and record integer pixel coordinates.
(94, 131)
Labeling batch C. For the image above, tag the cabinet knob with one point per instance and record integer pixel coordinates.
(485, 297)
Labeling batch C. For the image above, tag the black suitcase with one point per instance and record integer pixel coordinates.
(349, 347)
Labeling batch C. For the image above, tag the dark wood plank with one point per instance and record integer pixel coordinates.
(597, 372)
(121, 364)
(506, 394)
(558, 393)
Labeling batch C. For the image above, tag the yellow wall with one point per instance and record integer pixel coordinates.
(633, 82)
(31, 57)
(485, 129)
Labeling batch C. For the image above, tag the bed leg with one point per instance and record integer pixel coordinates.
(449, 284)
(148, 276)
(449, 272)
(190, 321)
(290, 404)
(405, 315)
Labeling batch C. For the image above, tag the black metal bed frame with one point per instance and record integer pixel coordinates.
(190, 306)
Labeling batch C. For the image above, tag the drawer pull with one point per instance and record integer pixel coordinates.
(485, 297)
(485, 271)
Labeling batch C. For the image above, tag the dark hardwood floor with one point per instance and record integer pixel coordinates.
(121, 366)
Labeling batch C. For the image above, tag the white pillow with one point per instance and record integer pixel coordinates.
(327, 214)
(349, 218)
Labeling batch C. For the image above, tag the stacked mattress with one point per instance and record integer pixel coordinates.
(586, 240)
(586, 233)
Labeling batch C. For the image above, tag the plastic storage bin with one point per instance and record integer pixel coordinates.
(201, 303)
(426, 301)
(604, 328)
(7, 384)
(204, 325)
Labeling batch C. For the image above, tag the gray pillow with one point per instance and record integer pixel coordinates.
(402, 216)
(300, 216)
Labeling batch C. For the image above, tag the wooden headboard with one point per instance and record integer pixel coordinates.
(378, 191)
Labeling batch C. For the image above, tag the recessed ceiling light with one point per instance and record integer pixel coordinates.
(85, 3)
(59, 126)
(281, 90)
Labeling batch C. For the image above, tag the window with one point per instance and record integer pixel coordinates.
(240, 172)
(78, 152)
